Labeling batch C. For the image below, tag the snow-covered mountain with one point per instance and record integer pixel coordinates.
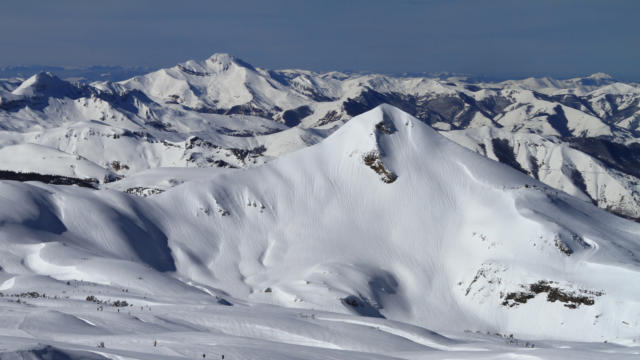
(577, 135)
(78, 73)
(384, 240)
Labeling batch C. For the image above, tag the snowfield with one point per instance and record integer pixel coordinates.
(580, 136)
(384, 240)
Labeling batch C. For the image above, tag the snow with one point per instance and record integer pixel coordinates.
(331, 236)
(355, 267)
(555, 164)
(45, 160)
(43, 84)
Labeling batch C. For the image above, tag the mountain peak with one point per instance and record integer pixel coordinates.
(40, 79)
(45, 84)
(223, 61)
(383, 119)
(383, 130)
(221, 57)
(600, 76)
(215, 64)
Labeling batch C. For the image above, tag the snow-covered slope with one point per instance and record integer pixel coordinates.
(351, 248)
(224, 112)
(559, 165)
(26, 158)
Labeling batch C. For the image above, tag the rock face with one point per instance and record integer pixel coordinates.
(578, 135)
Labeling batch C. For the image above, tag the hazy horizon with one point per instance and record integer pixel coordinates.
(495, 40)
(67, 72)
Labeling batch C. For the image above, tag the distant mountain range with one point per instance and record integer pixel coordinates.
(577, 135)
(86, 74)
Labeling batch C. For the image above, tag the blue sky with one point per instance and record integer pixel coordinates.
(501, 39)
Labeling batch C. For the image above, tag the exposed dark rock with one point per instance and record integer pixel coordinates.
(329, 117)
(385, 128)
(195, 141)
(221, 164)
(514, 298)
(373, 161)
(191, 71)
(242, 154)
(562, 246)
(143, 191)
(570, 298)
(48, 179)
(117, 165)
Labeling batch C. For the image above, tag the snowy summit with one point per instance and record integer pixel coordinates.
(219, 209)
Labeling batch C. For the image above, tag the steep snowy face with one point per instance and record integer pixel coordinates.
(37, 93)
(561, 165)
(388, 218)
(45, 85)
(385, 219)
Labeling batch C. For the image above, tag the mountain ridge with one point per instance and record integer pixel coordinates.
(243, 115)
(384, 229)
